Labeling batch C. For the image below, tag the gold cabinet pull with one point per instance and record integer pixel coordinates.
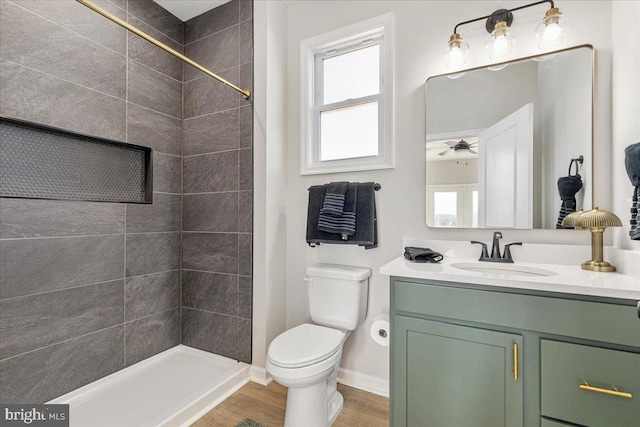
(614, 392)
(515, 361)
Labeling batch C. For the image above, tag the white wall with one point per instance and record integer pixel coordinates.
(269, 157)
(626, 107)
(422, 30)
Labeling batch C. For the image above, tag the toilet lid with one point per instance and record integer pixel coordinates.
(304, 345)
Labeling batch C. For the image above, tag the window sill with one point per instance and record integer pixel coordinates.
(345, 167)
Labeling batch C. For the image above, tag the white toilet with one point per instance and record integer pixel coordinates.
(306, 358)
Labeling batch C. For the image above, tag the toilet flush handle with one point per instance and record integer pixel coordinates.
(308, 279)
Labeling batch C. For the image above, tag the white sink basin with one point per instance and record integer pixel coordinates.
(503, 270)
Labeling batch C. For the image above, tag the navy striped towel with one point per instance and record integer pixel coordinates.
(568, 186)
(333, 203)
(632, 164)
(344, 224)
(366, 218)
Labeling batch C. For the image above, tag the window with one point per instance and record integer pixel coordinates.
(453, 206)
(346, 99)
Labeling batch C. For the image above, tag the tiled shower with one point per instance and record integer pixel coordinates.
(88, 288)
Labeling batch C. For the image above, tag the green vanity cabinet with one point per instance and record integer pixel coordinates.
(481, 356)
(476, 381)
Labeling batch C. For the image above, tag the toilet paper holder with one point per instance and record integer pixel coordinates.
(380, 330)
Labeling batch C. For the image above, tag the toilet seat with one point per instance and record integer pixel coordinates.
(305, 345)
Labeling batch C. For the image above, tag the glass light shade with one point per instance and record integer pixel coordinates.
(456, 52)
(500, 42)
(552, 31)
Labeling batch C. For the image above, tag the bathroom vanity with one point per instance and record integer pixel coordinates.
(493, 349)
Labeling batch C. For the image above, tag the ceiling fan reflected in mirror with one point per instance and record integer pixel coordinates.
(456, 146)
(467, 146)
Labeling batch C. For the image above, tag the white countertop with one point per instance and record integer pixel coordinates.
(570, 279)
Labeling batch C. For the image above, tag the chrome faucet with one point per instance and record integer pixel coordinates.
(495, 250)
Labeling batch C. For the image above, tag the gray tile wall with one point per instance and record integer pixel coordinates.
(218, 184)
(89, 288)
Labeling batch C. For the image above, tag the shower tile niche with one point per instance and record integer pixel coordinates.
(42, 162)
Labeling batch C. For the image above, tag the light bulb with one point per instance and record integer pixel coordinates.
(500, 42)
(456, 57)
(552, 30)
(455, 54)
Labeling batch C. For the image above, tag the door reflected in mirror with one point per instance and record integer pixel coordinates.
(501, 140)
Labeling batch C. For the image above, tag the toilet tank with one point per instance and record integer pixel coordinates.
(338, 295)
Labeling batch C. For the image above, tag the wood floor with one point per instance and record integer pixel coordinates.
(266, 405)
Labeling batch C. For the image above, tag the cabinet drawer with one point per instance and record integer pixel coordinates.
(566, 366)
(595, 321)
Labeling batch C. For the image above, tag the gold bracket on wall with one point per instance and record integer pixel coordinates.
(158, 43)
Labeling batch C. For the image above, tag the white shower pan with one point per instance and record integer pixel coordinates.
(173, 388)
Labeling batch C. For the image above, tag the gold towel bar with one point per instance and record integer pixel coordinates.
(245, 93)
(614, 392)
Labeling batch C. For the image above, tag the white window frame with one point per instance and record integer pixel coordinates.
(312, 51)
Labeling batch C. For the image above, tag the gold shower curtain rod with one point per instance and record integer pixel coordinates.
(147, 37)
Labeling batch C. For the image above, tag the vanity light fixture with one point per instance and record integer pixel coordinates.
(596, 221)
(501, 39)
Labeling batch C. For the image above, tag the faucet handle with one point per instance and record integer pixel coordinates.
(485, 253)
(507, 251)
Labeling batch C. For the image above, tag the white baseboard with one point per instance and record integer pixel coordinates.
(364, 382)
(260, 375)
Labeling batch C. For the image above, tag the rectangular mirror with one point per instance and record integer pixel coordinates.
(501, 141)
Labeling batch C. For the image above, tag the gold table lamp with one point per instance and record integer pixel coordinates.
(596, 221)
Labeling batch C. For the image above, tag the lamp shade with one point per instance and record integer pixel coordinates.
(598, 218)
(456, 52)
(553, 29)
(500, 42)
(571, 220)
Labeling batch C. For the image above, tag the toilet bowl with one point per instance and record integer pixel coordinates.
(306, 358)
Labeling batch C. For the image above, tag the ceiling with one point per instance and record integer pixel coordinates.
(187, 9)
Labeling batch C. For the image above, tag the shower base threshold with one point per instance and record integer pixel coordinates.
(172, 388)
